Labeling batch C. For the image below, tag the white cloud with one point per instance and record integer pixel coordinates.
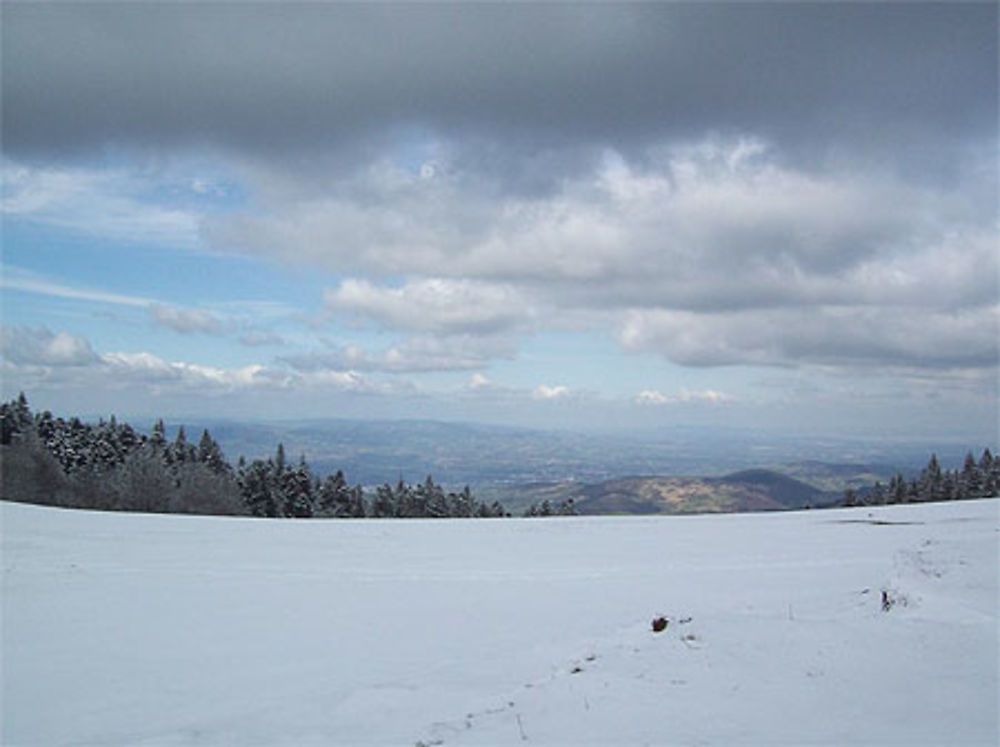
(436, 305)
(653, 397)
(478, 382)
(39, 359)
(147, 369)
(115, 204)
(545, 392)
(706, 396)
(224, 317)
(354, 382)
(694, 232)
(150, 370)
(17, 279)
(144, 367)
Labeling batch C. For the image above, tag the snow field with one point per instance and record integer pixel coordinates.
(153, 630)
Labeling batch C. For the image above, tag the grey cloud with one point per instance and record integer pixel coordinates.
(414, 355)
(712, 225)
(846, 337)
(757, 183)
(42, 347)
(699, 232)
(186, 321)
(874, 78)
(259, 339)
(138, 368)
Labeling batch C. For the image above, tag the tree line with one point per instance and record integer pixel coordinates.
(976, 479)
(50, 460)
(111, 466)
(548, 508)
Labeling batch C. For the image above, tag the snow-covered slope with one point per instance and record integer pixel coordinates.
(148, 630)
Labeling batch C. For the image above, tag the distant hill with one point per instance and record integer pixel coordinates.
(506, 463)
(748, 490)
(786, 491)
(837, 477)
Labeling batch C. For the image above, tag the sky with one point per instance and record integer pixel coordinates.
(769, 216)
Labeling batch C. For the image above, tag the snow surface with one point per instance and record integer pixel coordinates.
(157, 630)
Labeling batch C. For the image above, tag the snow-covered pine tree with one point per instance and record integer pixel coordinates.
(383, 506)
(437, 501)
(465, 504)
(404, 503)
(296, 490)
(336, 500)
(357, 505)
(878, 495)
(930, 485)
(256, 486)
(989, 470)
(210, 454)
(105, 451)
(971, 483)
(181, 451)
(158, 437)
(328, 498)
(15, 418)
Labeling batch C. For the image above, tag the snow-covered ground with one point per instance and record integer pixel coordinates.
(147, 630)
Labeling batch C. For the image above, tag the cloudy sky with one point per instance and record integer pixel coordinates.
(760, 215)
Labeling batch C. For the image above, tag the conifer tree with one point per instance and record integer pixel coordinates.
(930, 485)
(182, 451)
(279, 459)
(158, 438)
(328, 497)
(384, 504)
(877, 495)
(258, 495)
(296, 491)
(989, 471)
(210, 454)
(437, 501)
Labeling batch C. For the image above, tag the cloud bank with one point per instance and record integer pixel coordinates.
(788, 186)
(79, 76)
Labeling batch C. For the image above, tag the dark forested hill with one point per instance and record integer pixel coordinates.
(749, 490)
(784, 490)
